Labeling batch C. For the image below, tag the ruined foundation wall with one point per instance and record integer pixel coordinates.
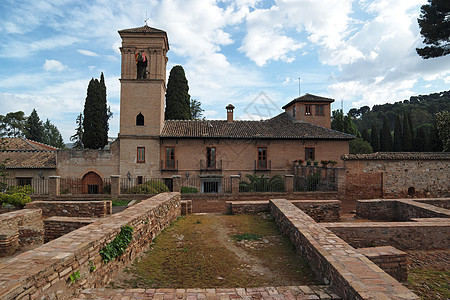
(88, 209)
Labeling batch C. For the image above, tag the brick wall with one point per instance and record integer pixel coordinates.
(20, 228)
(87, 209)
(350, 274)
(391, 260)
(397, 175)
(45, 271)
(59, 226)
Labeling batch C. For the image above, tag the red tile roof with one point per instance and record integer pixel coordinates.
(143, 29)
(309, 98)
(23, 153)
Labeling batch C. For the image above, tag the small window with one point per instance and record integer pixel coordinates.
(24, 181)
(293, 111)
(211, 157)
(140, 180)
(308, 110)
(310, 154)
(140, 120)
(262, 158)
(319, 110)
(141, 154)
(170, 158)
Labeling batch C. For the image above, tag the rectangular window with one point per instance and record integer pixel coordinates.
(170, 157)
(310, 154)
(140, 154)
(307, 110)
(211, 157)
(140, 180)
(262, 158)
(24, 181)
(319, 110)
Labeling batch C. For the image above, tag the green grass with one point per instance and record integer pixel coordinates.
(120, 202)
(247, 237)
(429, 284)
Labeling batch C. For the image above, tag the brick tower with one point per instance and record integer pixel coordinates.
(142, 95)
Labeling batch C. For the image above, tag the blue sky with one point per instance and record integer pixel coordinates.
(246, 52)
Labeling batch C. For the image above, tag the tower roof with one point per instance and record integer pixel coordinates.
(309, 98)
(143, 29)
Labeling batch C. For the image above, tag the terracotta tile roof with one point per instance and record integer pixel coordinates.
(309, 98)
(399, 156)
(23, 153)
(282, 126)
(143, 29)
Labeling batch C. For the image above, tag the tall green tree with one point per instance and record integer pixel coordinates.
(434, 142)
(196, 109)
(96, 116)
(407, 138)
(374, 139)
(365, 135)
(178, 99)
(359, 146)
(420, 140)
(12, 124)
(51, 135)
(34, 129)
(398, 134)
(443, 127)
(337, 120)
(77, 138)
(434, 25)
(386, 137)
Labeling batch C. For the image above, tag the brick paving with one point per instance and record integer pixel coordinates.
(286, 292)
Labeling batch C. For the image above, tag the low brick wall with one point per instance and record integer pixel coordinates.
(59, 226)
(401, 235)
(319, 210)
(88, 209)
(350, 274)
(391, 260)
(20, 228)
(45, 270)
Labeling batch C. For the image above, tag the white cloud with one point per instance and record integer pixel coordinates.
(53, 65)
(87, 52)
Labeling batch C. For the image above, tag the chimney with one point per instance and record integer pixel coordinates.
(230, 108)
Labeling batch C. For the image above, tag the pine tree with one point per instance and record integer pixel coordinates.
(52, 136)
(398, 135)
(196, 109)
(77, 138)
(443, 127)
(33, 127)
(386, 137)
(178, 99)
(407, 139)
(374, 140)
(420, 140)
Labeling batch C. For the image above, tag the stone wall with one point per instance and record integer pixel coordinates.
(397, 175)
(391, 260)
(444, 202)
(20, 228)
(59, 226)
(45, 271)
(401, 235)
(350, 274)
(88, 209)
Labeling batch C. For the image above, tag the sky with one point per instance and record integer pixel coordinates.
(246, 52)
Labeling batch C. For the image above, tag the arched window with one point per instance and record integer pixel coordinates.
(140, 120)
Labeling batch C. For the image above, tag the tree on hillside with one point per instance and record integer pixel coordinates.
(374, 140)
(96, 116)
(434, 25)
(196, 109)
(178, 99)
(12, 124)
(443, 127)
(386, 137)
(420, 140)
(407, 138)
(359, 146)
(434, 142)
(33, 127)
(397, 147)
(365, 135)
(51, 135)
(77, 138)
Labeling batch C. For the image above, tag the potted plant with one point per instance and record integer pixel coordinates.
(332, 163)
(324, 163)
(316, 163)
(300, 161)
(308, 162)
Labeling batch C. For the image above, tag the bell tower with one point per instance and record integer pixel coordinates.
(142, 94)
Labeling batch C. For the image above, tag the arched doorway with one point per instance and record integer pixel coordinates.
(92, 183)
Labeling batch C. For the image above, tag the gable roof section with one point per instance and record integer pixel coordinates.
(309, 98)
(143, 29)
(22, 144)
(23, 153)
(282, 126)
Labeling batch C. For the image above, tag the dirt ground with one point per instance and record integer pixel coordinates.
(203, 251)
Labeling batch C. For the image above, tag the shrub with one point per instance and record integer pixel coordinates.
(158, 186)
(26, 189)
(262, 184)
(189, 190)
(16, 199)
(312, 181)
(149, 187)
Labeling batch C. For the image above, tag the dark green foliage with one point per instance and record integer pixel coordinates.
(397, 147)
(178, 100)
(443, 126)
(374, 139)
(434, 25)
(262, 184)
(196, 109)
(77, 138)
(51, 135)
(33, 127)
(189, 190)
(118, 246)
(434, 142)
(148, 187)
(359, 146)
(17, 196)
(247, 237)
(12, 124)
(420, 140)
(96, 116)
(386, 137)
(407, 138)
(366, 136)
(343, 123)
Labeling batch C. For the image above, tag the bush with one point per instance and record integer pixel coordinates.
(158, 186)
(262, 184)
(26, 189)
(16, 199)
(149, 187)
(189, 190)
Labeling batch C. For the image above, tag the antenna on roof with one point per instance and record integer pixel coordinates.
(299, 87)
(146, 19)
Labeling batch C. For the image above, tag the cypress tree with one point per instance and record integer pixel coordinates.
(374, 140)
(366, 135)
(398, 134)
(178, 100)
(33, 127)
(407, 139)
(420, 140)
(434, 142)
(386, 137)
